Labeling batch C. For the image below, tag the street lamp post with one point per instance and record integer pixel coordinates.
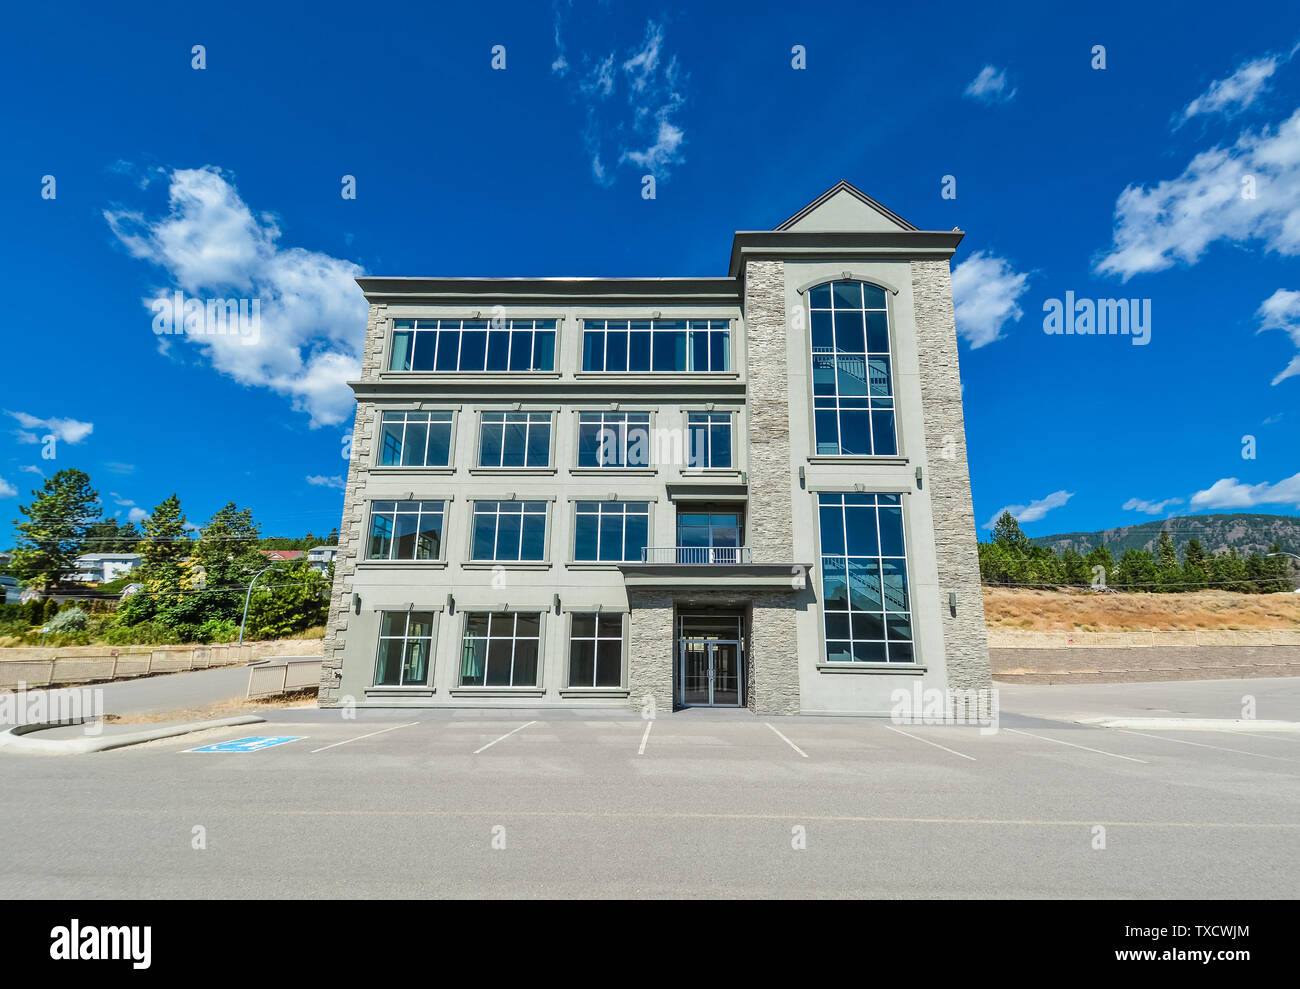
(1292, 555)
(247, 598)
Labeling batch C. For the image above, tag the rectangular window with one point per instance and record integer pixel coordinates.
(610, 531)
(415, 439)
(864, 579)
(509, 531)
(473, 345)
(709, 436)
(501, 649)
(596, 651)
(405, 530)
(515, 439)
(853, 398)
(405, 645)
(614, 439)
(637, 345)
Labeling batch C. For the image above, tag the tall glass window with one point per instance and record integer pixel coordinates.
(473, 345)
(709, 436)
(500, 649)
(709, 536)
(405, 530)
(509, 531)
(656, 345)
(415, 439)
(853, 397)
(515, 439)
(864, 579)
(405, 645)
(596, 650)
(614, 439)
(613, 531)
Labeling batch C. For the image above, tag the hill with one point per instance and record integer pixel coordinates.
(1217, 533)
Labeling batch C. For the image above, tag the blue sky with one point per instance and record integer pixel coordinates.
(1129, 181)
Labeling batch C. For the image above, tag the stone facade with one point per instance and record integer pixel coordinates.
(352, 527)
(964, 635)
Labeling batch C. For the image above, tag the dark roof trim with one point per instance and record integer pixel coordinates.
(830, 245)
(724, 291)
(842, 186)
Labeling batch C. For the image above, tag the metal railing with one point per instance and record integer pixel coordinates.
(696, 555)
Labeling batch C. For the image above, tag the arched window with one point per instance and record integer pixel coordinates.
(853, 392)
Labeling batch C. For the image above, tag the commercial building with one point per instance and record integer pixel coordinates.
(747, 490)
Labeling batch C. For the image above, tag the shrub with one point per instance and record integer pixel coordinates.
(69, 620)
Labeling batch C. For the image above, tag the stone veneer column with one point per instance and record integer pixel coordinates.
(773, 657)
(650, 644)
(351, 529)
(965, 637)
(768, 526)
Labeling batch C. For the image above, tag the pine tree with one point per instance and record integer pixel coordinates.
(1008, 534)
(58, 521)
(1195, 566)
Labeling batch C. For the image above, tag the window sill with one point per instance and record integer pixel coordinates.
(497, 691)
(512, 470)
(401, 564)
(850, 458)
(905, 669)
(625, 471)
(594, 692)
(702, 472)
(412, 469)
(400, 691)
(655, 376)
(485, 376)
(507, 564)
(595, 564)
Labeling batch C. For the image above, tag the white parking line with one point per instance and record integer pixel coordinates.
(503, 737)
(787, 741)
(935, 744)
(1272, 737)
(1126, 758)
(368, 735)
(1203, 745)
(645, 738)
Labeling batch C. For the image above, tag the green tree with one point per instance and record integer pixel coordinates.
(226, 552)
(1074, 568)
(1136, 571)
(164, 574)
(1195, 566)
(1099, 556)
(58, 519)
(1008, 534)
(1168, 572)
(296, 599)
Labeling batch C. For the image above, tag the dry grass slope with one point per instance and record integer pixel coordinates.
(1035, 610)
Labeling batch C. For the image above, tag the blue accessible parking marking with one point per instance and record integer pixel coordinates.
(254, 743)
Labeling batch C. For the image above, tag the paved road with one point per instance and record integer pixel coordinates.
(592, 806)
(171, 691)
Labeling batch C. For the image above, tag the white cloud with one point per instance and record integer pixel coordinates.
(118, 468)
(31, 469)
(137, 515)
(322, 481)
(313, 316)
(651, 138)
(7, 490)
(1228, 492)
(990, 86)
(1035, 510)
(985, 289)
(1234, 93)
(1281, 311)
(1150, 507)
(119, 500)
(65, 430)
(1179, 218)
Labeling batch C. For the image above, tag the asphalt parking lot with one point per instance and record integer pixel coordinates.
(693, 804)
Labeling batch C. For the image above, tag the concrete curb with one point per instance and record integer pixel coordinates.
(15, 739)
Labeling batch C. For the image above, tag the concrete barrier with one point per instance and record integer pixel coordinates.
(1011, 638)
(1129, 665)
(282, 676)
(54, 667)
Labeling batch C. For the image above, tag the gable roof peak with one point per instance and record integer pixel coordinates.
(840, 189)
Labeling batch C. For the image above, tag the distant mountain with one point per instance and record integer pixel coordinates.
(1217, 533)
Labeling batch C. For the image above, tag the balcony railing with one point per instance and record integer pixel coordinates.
(696, 555)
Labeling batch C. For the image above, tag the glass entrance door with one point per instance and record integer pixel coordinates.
(711, 672)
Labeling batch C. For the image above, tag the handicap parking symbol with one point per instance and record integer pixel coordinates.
(254, 743)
